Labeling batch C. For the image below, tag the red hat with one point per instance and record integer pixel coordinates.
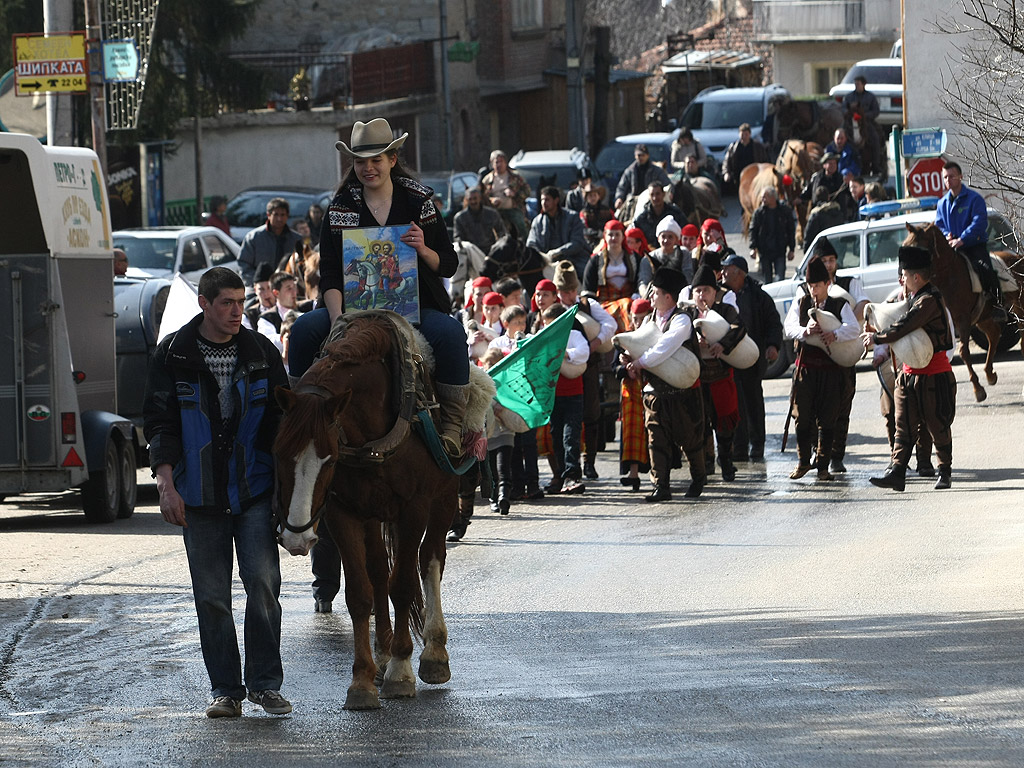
(546, 285)
(482, 282)
(638, 234)
(714, 224)
(493, 299)
(640, 307)
(614, 224)
(690, 230)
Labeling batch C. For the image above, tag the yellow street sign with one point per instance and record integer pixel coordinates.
(50, 63)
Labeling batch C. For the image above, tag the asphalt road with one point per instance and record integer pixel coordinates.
(769, 623)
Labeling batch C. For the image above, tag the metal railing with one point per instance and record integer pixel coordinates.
(810, 19)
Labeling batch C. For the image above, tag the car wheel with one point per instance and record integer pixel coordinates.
(782, 362)
(1007, 341)
(101, 493)
(127, 479)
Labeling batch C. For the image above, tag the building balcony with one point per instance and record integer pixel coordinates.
(787, 21)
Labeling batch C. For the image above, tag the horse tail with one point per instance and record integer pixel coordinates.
(416, 608)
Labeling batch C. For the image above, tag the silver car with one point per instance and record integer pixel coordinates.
(164, 251)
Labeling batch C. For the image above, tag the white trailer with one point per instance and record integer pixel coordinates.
(58, 382)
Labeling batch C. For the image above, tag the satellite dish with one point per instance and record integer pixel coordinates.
(21, 114)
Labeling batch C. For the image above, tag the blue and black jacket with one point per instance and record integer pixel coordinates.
(218, 468)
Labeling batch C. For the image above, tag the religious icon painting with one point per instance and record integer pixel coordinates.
(380, 271)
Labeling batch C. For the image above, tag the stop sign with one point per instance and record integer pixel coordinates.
(925, 177)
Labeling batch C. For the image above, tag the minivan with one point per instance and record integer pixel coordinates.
(716, 113)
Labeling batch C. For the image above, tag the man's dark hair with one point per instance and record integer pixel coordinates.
(744, 127)
(924, 272)
(656, 183)
(217, 201)
(278, 202)
(858, 179)
(954, 165)
(279, 278)
(218, 279)
(551, 191)
(507, 286)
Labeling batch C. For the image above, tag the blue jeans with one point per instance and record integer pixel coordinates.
(209, 539)
(443, 332)
(566, 435)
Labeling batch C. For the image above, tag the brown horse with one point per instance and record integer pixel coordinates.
(326, 468)
(754, 178)
(951, 275)
(799, 159)
(808, 120)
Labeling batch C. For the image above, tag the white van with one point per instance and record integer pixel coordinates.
(58, 383)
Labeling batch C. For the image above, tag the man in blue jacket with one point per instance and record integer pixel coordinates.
(211, 417)
(962, 216)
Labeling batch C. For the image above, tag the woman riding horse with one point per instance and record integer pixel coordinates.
(379, 192)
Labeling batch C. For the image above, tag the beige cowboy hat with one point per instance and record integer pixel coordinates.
(371, 139)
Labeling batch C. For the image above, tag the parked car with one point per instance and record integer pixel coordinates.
(884, 80)
(450, 187)
(560, 167)
(163, 251)
(617, 154)
(869, 248)
(716, 113)
(248, 209)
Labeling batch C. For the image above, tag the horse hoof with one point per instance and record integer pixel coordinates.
(398, 689)
(359, 699)
(980, 395)
(434, 672)
(992, 377)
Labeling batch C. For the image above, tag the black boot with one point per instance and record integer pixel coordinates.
(696, 487)
(588, 470)
(660, 493)
(895, 477)
(944, 479)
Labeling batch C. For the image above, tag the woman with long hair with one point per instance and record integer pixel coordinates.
(379, 192)
(611, 271)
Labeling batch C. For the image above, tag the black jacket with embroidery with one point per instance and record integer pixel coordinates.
(410, 201)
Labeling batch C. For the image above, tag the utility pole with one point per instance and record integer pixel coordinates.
(57, 18)
(574, 74)
(446, 87)
(94, 61)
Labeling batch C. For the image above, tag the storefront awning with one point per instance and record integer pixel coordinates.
(720, 60)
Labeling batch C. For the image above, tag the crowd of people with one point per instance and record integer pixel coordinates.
(703, 332)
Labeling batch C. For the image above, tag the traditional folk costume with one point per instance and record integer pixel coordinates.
(852, 286)
(926, 394)
(818, 383)
(674, 417)
(633, 435)
(721, 403)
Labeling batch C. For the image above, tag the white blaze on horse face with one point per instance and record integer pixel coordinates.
(300, 506)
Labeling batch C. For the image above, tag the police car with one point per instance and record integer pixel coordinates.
(868, 249)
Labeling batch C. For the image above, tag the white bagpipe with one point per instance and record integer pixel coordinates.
(478, 348)
(843, 353)
(915, 349)
(681, 369)
(591, 329)
(713, 328)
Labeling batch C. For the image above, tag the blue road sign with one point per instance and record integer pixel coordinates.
(924, 142)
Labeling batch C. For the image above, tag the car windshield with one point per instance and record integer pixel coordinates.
(148, 252)
(538, 176)
(616, 156)
(439, 184)
(887, 74)
(707, 115)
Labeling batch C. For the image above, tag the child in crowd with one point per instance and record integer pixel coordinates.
(633, 456)
(567, 412)
(513, 320)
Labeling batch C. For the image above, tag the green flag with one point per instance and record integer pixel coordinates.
(526, 379)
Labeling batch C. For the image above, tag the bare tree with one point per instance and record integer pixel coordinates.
(983, 89)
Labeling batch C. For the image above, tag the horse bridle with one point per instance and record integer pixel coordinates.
(282, 516)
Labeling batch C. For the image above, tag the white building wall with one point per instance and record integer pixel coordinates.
(794, 63)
